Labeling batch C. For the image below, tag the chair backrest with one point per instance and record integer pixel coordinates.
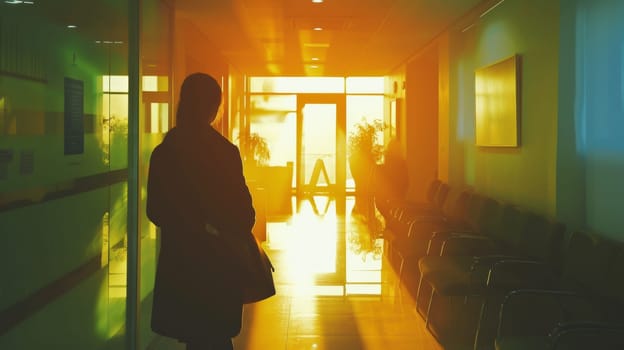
(432, 190)
(489, 217)
(542, 239)
(511, 226)
(441, 194)
(594, 265)
(586, 335)
(474, 211)
(614, 281)
(586, 262)
(456, 203)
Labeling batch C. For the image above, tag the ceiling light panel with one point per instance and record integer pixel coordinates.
(326, 23)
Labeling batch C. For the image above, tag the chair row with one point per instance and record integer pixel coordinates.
(462, 255)
(581, 307)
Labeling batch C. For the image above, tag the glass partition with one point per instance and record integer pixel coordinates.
(155, 119)
(318, 147)
(63, 174)
(272, 115)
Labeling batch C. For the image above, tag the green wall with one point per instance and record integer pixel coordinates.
(591, 108)
(525, 175)
(62, 217)
(571, 159)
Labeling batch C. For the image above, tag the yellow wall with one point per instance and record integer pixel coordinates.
(422, 121)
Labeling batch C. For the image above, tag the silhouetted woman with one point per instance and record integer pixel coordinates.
(196, 183)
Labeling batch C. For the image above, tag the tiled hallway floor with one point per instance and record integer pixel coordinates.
(334, 289)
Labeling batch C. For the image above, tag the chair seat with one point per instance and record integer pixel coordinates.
(457, 282)
(390, 235)
(436, 264)
(407, 247)
(523, 343)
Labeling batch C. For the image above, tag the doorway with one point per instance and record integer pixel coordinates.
(321, 144)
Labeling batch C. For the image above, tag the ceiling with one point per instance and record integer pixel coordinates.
(278, 37)
(356, 37)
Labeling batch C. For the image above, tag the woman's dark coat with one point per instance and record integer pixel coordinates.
(196, 177)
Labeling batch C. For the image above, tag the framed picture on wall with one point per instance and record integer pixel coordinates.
(497, 102)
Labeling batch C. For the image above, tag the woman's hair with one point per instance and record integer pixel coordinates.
(200, 98)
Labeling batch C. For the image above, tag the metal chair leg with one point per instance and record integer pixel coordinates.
(400, 275)
(420, 281)
(484, 306)
(429, 308)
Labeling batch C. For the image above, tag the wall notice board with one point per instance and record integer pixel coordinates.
(74, 116)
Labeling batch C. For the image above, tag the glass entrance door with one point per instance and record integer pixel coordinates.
(321, 155)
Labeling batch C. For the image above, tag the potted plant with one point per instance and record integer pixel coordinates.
(364, 153)
(256, 155)
(257, 150)
(274, 180)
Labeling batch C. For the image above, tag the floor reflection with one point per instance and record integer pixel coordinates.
(322, 252)
(334, 289)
